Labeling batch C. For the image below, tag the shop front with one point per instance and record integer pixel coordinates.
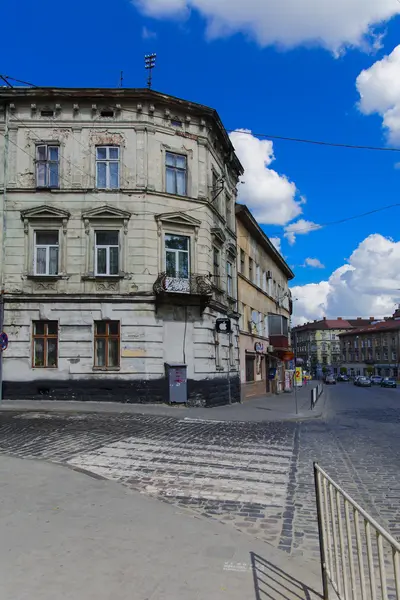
(254, 369)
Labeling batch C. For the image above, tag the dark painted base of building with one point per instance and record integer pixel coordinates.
(204, 392)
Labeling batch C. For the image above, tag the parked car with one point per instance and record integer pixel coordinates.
(343, 378)
(356, 378)
(389, 382)
(363, 382)
(330, 380)
(376, 380)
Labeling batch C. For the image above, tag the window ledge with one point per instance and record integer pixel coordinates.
(90, 277)
(106, 369)
(47, 277)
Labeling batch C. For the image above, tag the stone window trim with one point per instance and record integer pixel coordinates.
(177, 223)
(33, 143)
(45, 218)
(188, 154)
(103, 138)
(105, 218)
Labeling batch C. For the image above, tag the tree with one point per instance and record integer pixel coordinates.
(324, 370)
(370, 370)
(343, 371)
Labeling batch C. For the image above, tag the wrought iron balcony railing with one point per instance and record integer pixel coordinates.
(195, 284)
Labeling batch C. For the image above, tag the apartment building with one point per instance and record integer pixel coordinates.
(317, 344)
(265, 309)
(373, 350)
(119, 252)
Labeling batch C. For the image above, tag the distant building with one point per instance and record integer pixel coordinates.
(317, 344)
(264, 307)
(374, 349)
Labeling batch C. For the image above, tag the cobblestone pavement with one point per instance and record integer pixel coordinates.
(255, 476)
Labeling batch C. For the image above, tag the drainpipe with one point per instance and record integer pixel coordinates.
(3, 236)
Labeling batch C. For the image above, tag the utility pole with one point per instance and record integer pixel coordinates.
(149, 64)
(3, 236)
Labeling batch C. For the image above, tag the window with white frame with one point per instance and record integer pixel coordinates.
(258, 275)
(264, 281)
(47, 166)
(176, 174)
(107, 167)
(229, 279)
(46, 253)
(107, 252)
(177, 256)
(260, 326)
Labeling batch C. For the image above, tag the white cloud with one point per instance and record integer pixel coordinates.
(148, 34)
(271, 197)
(300, 227)
(334, 25)
(314, 262)
(379, 89)
(277, 242)
(368, 285)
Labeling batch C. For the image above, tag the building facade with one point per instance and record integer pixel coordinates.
(119, 246)
(264, 307)
(373, 350)
(317, 344)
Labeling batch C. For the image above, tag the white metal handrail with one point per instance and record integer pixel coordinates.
(375, 574)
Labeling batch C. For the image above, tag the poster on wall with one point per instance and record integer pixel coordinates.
(288, 381)
(299, 377)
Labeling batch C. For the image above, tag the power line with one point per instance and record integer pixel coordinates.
(254, 134)
(316, 142)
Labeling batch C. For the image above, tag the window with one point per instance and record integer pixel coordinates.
(278, 325)
(177, 262)
(107, 112)
(216, 258)
(47, 166)
(46, 253)
(242, 262)
(266, 326)
(214, 183)
(176, 174)
(47, 113)
(107, 167)
(228, 209)
(229, 279)
(251, 274)
(258, 275)
(260, 326)
(264, 281)
(45, 343)
(107, 253)
(106, 344)
(176, 122)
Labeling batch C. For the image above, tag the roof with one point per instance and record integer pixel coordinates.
(243, 213)
(325, 324)
(118, 94)
(389, 325)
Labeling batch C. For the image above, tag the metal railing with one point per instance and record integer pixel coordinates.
(316, 392)
(360, 560)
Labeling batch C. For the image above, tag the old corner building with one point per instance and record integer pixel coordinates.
(265, 306)
(119, 251)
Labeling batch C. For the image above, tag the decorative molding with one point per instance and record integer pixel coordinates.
(218, 235)
(177, 218)
(45, 286)
(45, 212)
(107, 286)
(86, 223)
(106, 212)
(232, 250)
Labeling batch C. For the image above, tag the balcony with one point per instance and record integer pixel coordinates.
(280, 342)
(192, 290)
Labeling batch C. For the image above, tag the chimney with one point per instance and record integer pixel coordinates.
(359, 318)
(324, 318)
(339, 319)
(372, 318)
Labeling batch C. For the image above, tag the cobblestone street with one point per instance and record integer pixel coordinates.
(256, 477)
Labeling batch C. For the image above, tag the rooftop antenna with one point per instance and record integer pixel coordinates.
(121, 79)
(149, 64)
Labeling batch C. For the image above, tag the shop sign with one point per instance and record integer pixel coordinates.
(299, 377)
(258, 347)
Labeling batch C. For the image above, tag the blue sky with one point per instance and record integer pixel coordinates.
(305, 92)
